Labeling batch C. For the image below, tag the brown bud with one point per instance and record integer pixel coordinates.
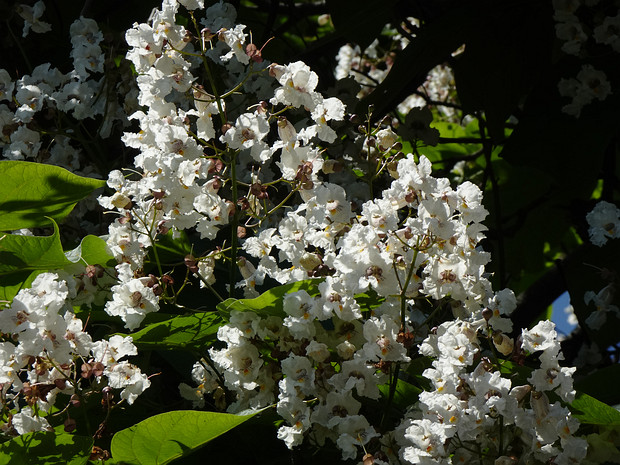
(98, 368)
(355, 119)
(107, 394)
(226, 127)
(332, 166)
(60, 383)
(70, 425)
(254, 53)
(368, 459)
(406, 338)
(86, 370)
(191, 263)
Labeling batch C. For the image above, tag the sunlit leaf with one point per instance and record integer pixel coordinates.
(592, 411)
(181, 332)
(163, 438)
(19, 253)
(46, 448)
(30, 192)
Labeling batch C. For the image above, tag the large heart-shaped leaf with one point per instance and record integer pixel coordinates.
(18, 253)
(163, 438)
(33, 191)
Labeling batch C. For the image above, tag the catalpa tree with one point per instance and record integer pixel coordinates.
(276, 233)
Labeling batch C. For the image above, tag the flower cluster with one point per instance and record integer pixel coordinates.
(387, 266)
(604, 224)
(46, 352)
(481, 408)
(589, 85)
(572, 29)
(370, 66)
(325, 356)
(38, 104)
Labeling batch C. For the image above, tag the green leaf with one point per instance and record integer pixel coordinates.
(163, 438)
(270, 302)
(594, 412)
(11, 284)
(18, 253)
(91, 251)
(46, 448)
(30, 192)
(181, 332)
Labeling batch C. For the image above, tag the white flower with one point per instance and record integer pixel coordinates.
(111, 351)
(354, 430)
(299, 375)
(296, 413)
(572, 34)
(604, 222)
(6, 85)
(128, 377)
(248, 133)
(298, 82)
(541, 337)
(31, 15)
(607, 32)
(26, 422)
(381, 335)
(220, 15)
(131, 301)
(235, 39)
(357, 374)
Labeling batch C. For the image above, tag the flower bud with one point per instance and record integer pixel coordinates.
(70, 425)
(345, 350)
(121, 201)
(286, 131)
(226, 127)
(309, 261)
(60, 383)
(191, 263)
(540, 404)
(368, 459)
(503, 344)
